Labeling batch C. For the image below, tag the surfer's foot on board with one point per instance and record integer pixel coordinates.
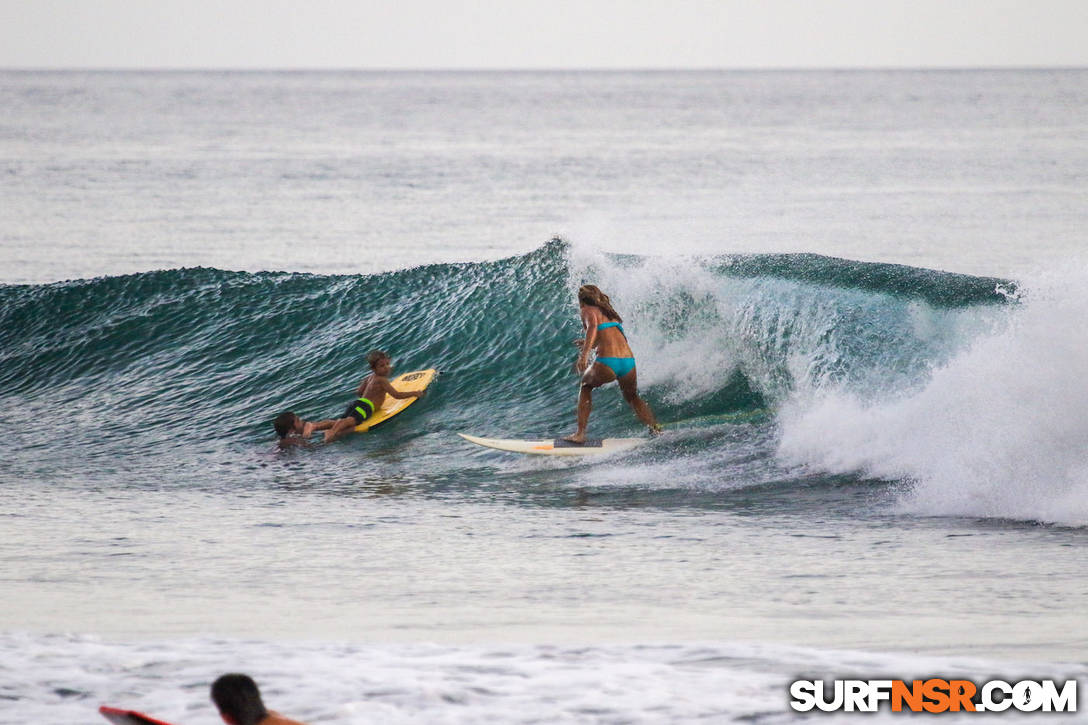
(656, 429)
(575, 438)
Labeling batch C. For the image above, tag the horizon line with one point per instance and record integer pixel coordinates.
(516, 69)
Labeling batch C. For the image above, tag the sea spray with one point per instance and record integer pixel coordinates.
(788, 323)
(997, 431)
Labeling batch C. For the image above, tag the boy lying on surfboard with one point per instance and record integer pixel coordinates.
(370, 395)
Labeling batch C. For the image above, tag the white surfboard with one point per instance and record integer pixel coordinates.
(557, 446)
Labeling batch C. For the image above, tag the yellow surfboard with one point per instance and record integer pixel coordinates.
(405, 383)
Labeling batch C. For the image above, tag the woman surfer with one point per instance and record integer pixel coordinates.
(615, 361)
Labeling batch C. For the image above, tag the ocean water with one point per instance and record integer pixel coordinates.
(856, 299)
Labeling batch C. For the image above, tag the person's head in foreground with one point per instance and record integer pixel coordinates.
(238, 700)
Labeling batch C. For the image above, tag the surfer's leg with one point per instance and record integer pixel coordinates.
(311, 426)
(353, 416)
(339, 429)
(629, 388)
(585, 405)
(594, 377)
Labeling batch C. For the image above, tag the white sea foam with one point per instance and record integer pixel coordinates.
(998, 431)
(53, 679)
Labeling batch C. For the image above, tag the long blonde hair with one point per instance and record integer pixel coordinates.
(590, 294)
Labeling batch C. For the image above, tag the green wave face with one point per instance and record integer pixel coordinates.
(210, 353)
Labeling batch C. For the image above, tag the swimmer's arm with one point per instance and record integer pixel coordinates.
(390, 390)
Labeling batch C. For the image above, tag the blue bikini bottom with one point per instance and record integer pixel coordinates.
(619, 365)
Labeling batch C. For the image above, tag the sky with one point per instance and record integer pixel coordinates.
(542, 34)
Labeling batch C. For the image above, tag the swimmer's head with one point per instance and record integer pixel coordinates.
(284, 423)
(238, 700)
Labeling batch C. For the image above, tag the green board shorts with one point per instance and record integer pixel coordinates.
(360, 409)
